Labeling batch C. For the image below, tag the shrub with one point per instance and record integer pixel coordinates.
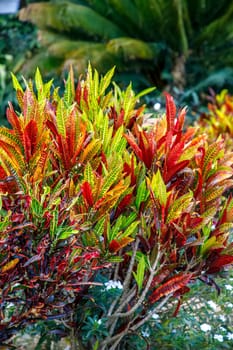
(217, 121)
(103, 221)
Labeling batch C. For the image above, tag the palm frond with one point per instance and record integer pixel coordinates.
(69, 16)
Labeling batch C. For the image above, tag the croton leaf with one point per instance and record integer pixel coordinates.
(171, 286)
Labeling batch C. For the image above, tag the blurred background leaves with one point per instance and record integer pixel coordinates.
(182, 46)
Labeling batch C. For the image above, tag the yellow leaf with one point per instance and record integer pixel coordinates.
(10, 265)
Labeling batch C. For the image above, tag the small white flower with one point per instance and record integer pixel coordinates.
(157, 106)
(222, 329)
(222, 318)
(146, 333)
(155, 316)
(212, 304)
(113, 284)
(218, 337)
(230, 305)
(228, 287)
(230, 336)
(205, 327)
(99, 321)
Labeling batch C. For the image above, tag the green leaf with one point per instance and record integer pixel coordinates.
(53, 223)
(39, 82)
(211, 242)
(116, 228)
(128, 220)
(69, 88)
(105, 81)
(115, 259)
(37, 208)
(61, 118)
(159, 188)
(66, 233)
(104, 129)
(88, 174)
(139, 275)
(99, 227)
(16, 83)
(111, 178)
(179, 206)
(117, 139)
(130, 230)
(142, 194)
(145, 92)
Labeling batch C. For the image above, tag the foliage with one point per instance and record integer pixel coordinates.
(201, 307)
(219, 117)
(138, 36)
(91, 199)
(17, 40)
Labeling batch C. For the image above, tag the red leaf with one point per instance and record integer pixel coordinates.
(91, 255)
(172, 171)
(170, 111)
(180, 122)
(3, 174)
(171, 286)
(160, 277)
(174, 154)
(121, 206)
(14, 120)
(85, 95)
(30, 139)
(87, 193)
(78, 93)
(218, 263)
(130, 139)
(120, 119)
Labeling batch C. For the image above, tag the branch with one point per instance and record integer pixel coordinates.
(127, 279)
(145, 291)
(149, 315)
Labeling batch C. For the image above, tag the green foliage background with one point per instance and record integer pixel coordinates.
(181, 46)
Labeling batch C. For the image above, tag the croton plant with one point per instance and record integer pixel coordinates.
(90, 197)
(218, 120)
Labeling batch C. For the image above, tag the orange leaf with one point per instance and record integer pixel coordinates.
(10, 265)
(116, 245)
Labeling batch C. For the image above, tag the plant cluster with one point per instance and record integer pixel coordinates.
(92, 203)
(217, 121)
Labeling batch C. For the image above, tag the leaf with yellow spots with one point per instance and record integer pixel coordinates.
(178, 206)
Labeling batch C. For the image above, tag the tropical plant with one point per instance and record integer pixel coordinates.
(165, 42)
(218, 119)
(92, 201)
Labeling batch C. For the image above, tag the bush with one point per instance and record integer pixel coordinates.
(103, 222)
(217, 121)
